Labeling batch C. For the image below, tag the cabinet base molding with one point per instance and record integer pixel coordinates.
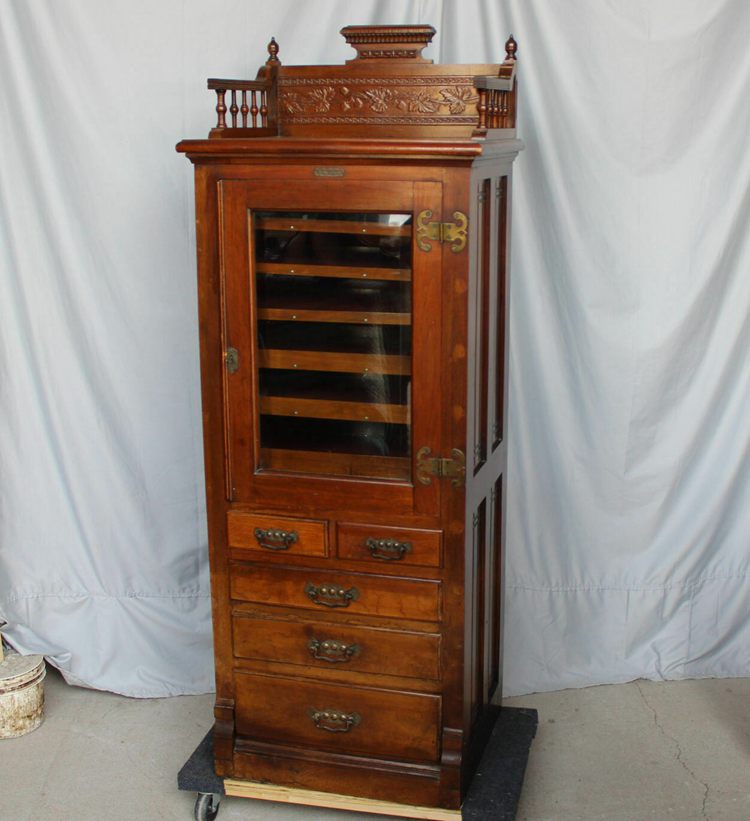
(311, 798)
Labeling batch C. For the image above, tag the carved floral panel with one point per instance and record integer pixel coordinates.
(327, 100)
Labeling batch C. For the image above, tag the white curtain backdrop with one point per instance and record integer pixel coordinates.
(629, 478)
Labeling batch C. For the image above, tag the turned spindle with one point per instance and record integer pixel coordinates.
(244, 108)
(254, 108)
(482, 107)
(221, 108)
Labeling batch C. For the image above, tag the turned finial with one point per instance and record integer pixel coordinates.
(273, 50)
(511, 47)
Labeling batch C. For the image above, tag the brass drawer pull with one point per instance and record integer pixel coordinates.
(334, 721)
(331, 596)
(330, 650)
(275, 539)
(387, 550)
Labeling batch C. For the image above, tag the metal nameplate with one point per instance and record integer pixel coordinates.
(325, 171)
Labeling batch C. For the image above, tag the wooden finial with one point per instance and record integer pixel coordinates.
(511, 47)
(273, 50)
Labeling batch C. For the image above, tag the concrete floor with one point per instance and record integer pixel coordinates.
(626, 752)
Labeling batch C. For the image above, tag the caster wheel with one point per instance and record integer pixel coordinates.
(206, 806)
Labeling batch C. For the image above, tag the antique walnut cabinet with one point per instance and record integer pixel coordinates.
(352, 232)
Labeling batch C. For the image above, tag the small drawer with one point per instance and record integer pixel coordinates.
(388, 545)
(276, 534)
(326, 591)
(322, 645)
(339, 718)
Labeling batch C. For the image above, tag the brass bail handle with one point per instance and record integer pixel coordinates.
(334, 721)
(387, 550)
(332, 650)
(330, 595)
(272, 539)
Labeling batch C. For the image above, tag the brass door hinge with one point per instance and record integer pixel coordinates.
(454, 232)
(440, 466)
(232, 359)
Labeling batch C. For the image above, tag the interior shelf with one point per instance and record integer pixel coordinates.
(332, 409)
(326, 361)
(370, 438)
(333, 271)
(361, 338)
(340, 464)
(332, 226)
(329, 296)
(368, 252)
(354, 317)
(339, 387)
(349, 448)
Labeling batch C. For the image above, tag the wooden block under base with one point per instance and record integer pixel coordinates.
(291, 795)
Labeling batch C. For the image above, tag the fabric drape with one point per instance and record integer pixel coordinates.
(629, 430)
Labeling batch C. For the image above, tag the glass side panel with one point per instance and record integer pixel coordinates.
(333, 304)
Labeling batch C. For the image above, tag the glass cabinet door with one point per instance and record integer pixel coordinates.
(331, 312)
(333, 375)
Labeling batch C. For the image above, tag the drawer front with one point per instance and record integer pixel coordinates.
(339, 718)
(276, 534)
(388, 545)
(322, 645)
(345, 592)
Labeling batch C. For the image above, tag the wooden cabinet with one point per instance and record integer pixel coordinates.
(352, 230)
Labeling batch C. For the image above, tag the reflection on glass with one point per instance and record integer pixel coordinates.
(334, 342)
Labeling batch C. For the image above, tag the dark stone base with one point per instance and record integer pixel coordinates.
(496, 787)
(197, 773)
(494, 791)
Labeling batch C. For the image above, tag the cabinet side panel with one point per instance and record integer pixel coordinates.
(501, 308)
(486, 414)
(495, 598)
(455, 289)
(211, 356)
(480, 322)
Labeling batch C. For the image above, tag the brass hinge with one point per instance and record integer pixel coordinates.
(440, 466)
(454, 232)
(232, 359)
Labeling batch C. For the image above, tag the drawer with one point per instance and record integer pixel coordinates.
(338, 717)
(276, 534)
(388, 545)
(323, 645)
(327, 591)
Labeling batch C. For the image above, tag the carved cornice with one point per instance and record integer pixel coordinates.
(388, 42)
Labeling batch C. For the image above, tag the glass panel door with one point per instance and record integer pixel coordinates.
(333, 301)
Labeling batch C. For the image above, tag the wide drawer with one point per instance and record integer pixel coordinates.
(349, 592)
(322, 645)
(276, 534)
(339, 718)
(379, 544)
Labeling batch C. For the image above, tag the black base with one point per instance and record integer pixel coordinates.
(496, 787)
(494, 791)
(197, 773)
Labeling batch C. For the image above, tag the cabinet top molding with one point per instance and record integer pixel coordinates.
(388, 91)
(392, 42)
